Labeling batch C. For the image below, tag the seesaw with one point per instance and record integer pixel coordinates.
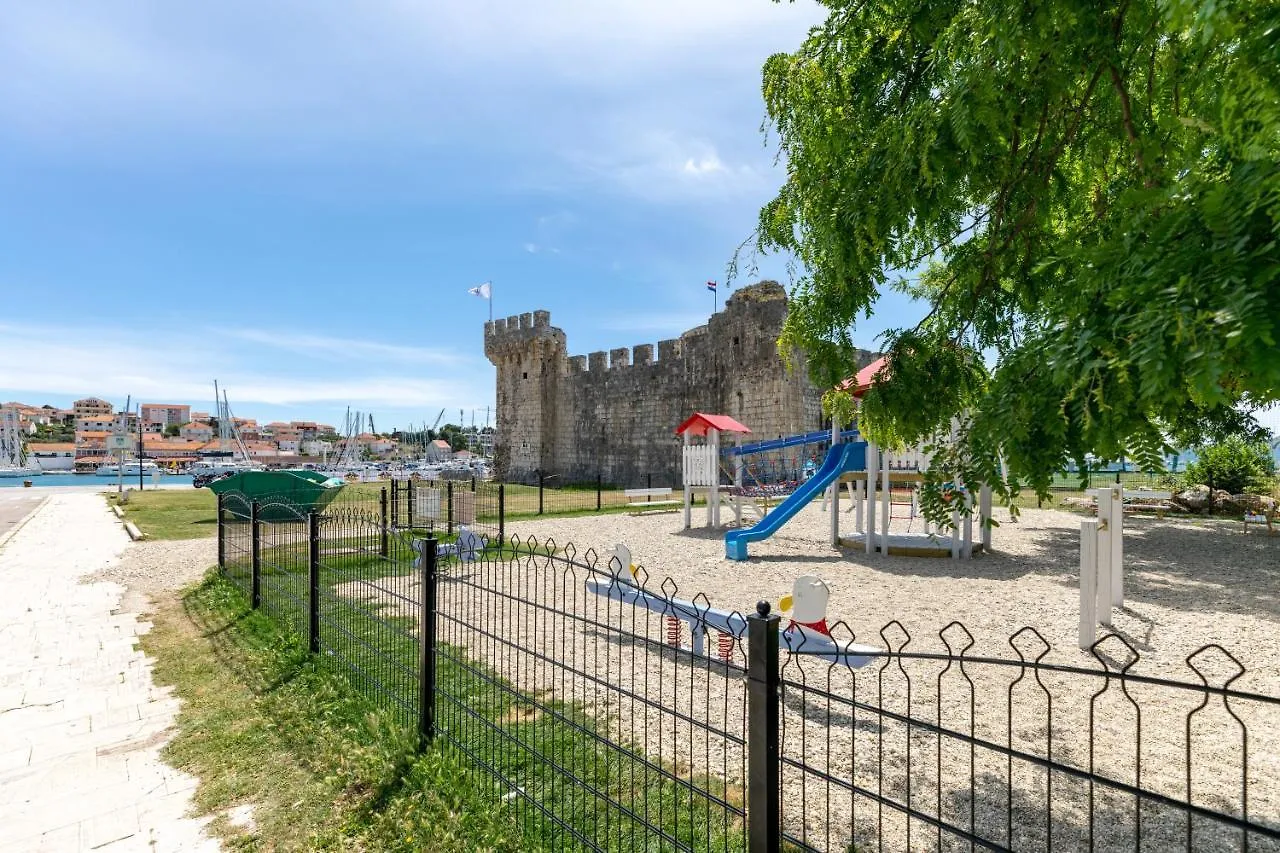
(807, 633)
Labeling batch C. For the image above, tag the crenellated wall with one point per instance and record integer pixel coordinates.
(614, 414)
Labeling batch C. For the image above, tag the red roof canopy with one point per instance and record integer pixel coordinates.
(866, 376)
(698, 424)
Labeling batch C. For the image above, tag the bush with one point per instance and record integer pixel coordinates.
(1234, 465)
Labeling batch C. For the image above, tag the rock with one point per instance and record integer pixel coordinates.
(1196, 498)
(1256, 504)
(1224, 501)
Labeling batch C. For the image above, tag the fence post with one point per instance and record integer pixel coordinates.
(409, 511)
(764, 767)
(383, 549)
(222, 538)
(648, 480)
(427, 551)
(448, 488)
(1088, 581)
(502, 517)
(255, 583)
(473, 484)
(599, 488)
(395, 503)
(540, 482)
(313, 584)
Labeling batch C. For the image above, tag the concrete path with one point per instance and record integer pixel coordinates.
(81, 724)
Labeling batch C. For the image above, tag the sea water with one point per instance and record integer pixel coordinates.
(82, 480)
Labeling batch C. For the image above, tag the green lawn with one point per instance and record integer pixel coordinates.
(172, 513)
(265, 724)
(478, 710)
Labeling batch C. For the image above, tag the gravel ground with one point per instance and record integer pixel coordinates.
(1189, 583)
(146, 569)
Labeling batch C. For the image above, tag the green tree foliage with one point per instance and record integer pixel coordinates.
(1235, 465)
(172, 429)
(1090, 193)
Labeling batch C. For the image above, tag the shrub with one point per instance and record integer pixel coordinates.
(1234, 465)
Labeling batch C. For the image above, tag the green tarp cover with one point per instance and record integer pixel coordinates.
(281, 495)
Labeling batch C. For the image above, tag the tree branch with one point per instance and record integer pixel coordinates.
(1126, 112)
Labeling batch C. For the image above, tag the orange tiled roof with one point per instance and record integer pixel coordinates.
(50, 446)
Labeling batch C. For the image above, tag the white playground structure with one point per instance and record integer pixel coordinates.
(1102, 558)
(701, 468)
(870, 492)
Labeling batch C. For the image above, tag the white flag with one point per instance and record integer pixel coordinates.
(483, 291)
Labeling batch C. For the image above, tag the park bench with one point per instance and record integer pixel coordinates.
(1144, 499)
(646, 498)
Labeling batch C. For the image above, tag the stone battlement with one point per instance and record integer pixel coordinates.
(519, 322)
(612, 413)
(510, 337)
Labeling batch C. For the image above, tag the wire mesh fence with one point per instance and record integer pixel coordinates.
(445, 506)
(612, 711)
(939, 749)
(599, 731)
(548, 493)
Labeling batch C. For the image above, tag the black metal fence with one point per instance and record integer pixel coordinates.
(612, 712)
(547, 493)
(446, 506)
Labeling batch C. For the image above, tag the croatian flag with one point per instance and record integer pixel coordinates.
(711, 285)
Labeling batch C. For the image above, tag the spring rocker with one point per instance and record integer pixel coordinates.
(806, 634)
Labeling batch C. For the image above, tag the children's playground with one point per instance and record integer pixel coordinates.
(641, 621)
(1187, 584)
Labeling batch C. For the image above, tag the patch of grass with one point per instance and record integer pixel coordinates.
(552, 750)
(172, 513)
(264, 723)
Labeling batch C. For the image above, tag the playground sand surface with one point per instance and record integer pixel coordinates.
(1189, 583)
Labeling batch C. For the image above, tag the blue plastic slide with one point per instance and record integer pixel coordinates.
(851, 456)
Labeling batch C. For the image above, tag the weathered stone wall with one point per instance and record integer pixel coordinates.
(614, 414)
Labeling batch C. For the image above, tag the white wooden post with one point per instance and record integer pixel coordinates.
(1088, 581)
(984, 514)
(713, 477)
(688, 488)
(955, 525)
(859, 487)
(1104, 557)
(885, 514)
(873, 469)
(833, 491)
(1117, 546)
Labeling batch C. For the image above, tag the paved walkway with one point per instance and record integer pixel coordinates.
(81, 724)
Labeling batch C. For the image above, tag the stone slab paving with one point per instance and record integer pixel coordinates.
(81, 723)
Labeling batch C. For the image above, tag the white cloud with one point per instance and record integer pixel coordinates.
(531, 248)
(665, 167)
(665, 324)
(705, 165)
(343, 349)
(116, 362)
(594, 87)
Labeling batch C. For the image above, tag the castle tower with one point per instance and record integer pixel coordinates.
(529, 354)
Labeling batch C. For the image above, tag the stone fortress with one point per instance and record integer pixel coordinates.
(614, 414)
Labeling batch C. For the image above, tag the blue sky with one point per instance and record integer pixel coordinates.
(294, 197)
